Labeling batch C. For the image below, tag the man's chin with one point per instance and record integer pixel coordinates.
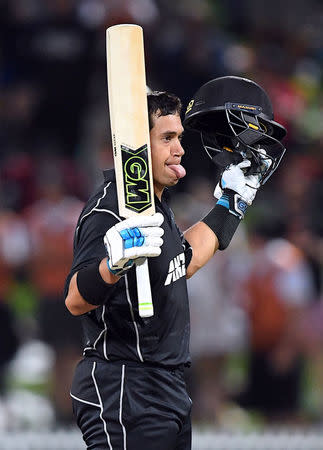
(166, 183)
(172, 182)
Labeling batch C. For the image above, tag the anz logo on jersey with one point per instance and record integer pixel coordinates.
(176, 269)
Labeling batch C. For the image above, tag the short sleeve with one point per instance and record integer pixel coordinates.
(188, 251)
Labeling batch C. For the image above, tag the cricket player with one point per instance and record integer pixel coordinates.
(128, 391)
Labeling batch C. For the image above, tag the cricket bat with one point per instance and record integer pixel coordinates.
(130, 135)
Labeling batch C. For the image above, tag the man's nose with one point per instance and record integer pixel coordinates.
(178, 149)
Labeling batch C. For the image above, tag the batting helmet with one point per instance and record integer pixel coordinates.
(235, 118)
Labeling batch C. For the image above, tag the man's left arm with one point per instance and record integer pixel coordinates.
(204, 243)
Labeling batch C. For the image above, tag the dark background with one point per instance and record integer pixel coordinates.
(54, 141)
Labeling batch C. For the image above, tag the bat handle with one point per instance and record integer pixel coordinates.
(145, 303)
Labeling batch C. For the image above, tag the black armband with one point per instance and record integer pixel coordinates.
(91, 285)
(223, 223)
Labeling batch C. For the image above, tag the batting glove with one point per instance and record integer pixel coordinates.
(136, 237)
(236, 191)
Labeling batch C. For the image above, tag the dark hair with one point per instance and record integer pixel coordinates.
(162, 104)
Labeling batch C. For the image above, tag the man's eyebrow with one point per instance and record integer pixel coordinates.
(172, 133)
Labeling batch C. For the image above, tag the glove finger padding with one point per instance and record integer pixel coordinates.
(231, 178)
(138, 252)
(243, 164)
(266, 161)
(135, 237)
(152, 231)
(217, 191)
(152, 241)
(234, 179)
(151, 247)
(253, 181)
(141, 221)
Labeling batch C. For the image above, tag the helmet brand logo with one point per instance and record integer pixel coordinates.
(241, 107)
(189, 106)
(253, 108)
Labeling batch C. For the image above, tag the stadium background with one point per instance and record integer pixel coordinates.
(256, 309)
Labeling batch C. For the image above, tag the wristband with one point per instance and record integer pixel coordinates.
(91, 285)
(223, 223)
(233, 202)
(120, 271)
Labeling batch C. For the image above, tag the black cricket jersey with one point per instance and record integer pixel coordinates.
(115, 331)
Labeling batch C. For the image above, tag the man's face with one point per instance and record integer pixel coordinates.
(166, 151)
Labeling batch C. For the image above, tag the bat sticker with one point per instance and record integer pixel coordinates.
(138, 196)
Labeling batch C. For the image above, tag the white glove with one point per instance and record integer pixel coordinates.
(245, 186)
(136, 237)
(266, 161)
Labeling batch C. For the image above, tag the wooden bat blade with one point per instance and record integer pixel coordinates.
(129, 119)
(130, 135)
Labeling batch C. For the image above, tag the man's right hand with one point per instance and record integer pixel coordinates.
(136, 237)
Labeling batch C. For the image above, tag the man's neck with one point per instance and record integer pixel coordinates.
(158, 190)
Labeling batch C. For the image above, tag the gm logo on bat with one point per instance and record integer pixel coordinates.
(136, 178)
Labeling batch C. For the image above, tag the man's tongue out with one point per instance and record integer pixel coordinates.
(178, 169)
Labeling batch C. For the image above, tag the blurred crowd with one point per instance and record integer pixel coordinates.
(257, 308)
